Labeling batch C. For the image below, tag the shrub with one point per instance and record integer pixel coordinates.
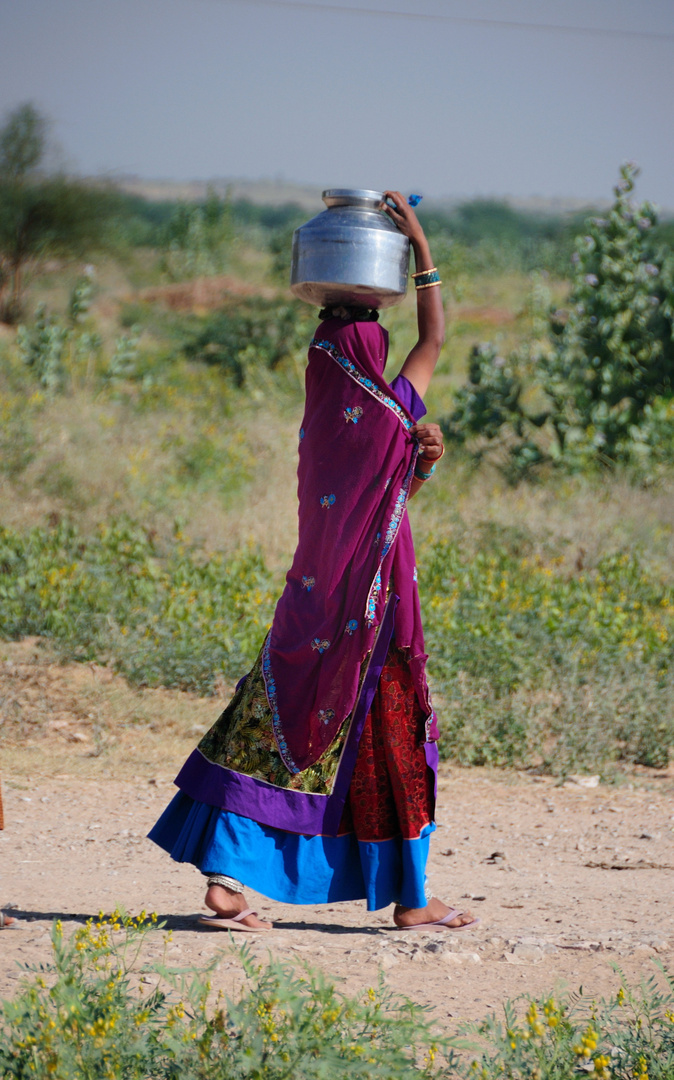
(171, 617)
(605, 374)
(98, 1012)
(533, 662)
(86, 1016)
(198, 238)
(40, 214)
(630, 1037)
(255, 334)
(62, 352)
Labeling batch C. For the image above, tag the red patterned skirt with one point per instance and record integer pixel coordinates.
(392, 788)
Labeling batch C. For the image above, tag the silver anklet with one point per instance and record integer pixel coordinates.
(227, 882)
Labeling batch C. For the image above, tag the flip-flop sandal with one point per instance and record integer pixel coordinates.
(6, 921)
(442, 924)
(233, 924)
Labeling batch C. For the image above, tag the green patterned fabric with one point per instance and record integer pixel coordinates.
(242, 739)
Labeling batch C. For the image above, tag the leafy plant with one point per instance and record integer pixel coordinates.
(88, 1016)
(605, 374)
(122, 363)
(257, 333)
(199, 237)
(534, 663)
(44, 349)
(172, 618)
(628, 1037)
(60, 351)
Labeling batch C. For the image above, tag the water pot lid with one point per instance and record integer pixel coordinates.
(370, 200)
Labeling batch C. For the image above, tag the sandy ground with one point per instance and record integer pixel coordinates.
(567, 880)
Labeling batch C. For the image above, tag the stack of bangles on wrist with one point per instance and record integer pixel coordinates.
(424, 279)
(420, 473)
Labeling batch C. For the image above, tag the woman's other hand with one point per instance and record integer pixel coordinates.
(430, 441)
(403, 216)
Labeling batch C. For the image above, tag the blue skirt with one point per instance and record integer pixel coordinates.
(292, 868)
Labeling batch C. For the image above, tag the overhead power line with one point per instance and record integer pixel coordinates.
(462, 20)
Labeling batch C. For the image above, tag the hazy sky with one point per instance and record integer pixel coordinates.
(211, 88)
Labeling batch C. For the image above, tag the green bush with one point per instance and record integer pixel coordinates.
(99, 1012)
(487, 236)
(41, 214)
(172, 618)
(254, 334)
(199, 238)
(88, 1016)
(62, 352)
(630, 1037)
(532, 662)
(604, 376)
(536, 663)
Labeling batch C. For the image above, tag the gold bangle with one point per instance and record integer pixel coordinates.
(429, 285)
(420, 273)
(433, 461)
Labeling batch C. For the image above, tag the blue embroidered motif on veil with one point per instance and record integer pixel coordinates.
(353, 414)
(319, 644)
(327, 501)
(308, 582)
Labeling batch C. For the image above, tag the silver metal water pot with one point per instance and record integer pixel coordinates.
(352, 253)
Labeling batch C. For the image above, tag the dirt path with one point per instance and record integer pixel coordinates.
(555, 908)
(549, 917)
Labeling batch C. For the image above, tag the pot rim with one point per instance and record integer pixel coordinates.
(363, 197)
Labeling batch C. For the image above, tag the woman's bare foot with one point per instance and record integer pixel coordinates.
(434, 910)
(226, 903)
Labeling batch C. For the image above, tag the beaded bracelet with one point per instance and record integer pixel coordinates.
(419, 474)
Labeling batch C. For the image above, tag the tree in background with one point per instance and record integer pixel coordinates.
(41, 214)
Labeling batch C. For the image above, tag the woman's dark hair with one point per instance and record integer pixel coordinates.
(349, 313)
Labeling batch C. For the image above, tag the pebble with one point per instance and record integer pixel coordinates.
(458, 958)
(524, 954)
(582, 781)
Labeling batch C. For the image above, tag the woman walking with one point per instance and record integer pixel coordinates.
(317, 783)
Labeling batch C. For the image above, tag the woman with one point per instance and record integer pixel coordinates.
(317, 783)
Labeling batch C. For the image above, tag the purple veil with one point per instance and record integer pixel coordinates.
(356, 464)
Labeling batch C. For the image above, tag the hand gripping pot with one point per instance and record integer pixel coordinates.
(352, 253)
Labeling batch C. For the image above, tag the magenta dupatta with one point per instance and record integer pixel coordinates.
(357, 457)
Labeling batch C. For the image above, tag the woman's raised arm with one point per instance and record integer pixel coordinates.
(420, 363)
